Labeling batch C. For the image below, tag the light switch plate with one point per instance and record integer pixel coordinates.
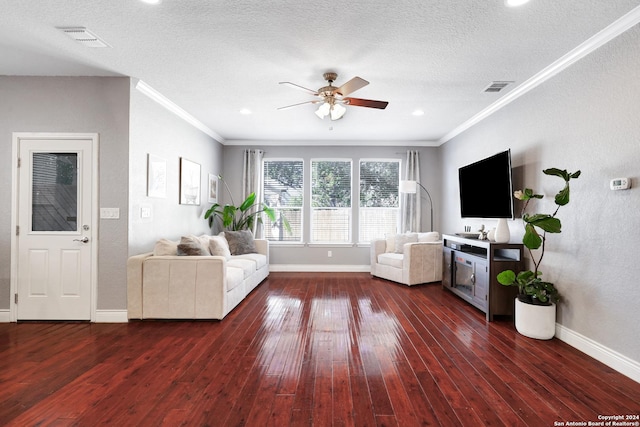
(110, 213)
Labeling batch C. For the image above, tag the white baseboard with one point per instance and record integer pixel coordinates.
(611, 358)
(111, 316)
(102, 316)
(320, 268)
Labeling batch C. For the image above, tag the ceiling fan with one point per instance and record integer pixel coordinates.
(332, 99)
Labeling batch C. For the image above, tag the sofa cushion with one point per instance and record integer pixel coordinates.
(402, 239)
(235, 277)
(191, 246)
(240, 242)
(259, 259)
(431, 236)
(246, 265)
(218, 246)
(391, 243)
(391, 259)
(165, 247)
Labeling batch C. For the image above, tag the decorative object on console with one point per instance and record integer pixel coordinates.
(531, 289)
(502, 233)
(411, 187)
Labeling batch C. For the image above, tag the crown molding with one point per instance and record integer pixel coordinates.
(153, 94)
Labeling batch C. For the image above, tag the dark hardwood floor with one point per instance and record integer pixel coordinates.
(318, 349)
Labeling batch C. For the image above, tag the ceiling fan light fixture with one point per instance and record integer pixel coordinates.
(337, 111)
(323, 110)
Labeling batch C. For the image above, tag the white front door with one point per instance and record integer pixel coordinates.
(55, 230)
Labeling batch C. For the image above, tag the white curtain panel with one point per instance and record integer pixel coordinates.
(252, 180)
(410, 203)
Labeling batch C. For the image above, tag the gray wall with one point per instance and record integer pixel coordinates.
(161, 133)
(585, 118)
(62, 104)
(317, 255)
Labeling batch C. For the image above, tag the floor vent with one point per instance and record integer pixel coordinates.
(84, 37)
(497, 86)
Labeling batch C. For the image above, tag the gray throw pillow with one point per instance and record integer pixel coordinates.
(191, 246)
(240, 242)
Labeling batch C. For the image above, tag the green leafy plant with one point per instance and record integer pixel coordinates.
(531, 288)
(243, 217)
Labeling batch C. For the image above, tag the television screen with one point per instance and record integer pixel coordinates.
(486, 188)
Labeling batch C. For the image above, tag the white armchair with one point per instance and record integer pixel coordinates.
(410, 258)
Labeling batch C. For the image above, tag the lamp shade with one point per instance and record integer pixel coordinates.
(337, 111)
(409, 187)
(323, 110)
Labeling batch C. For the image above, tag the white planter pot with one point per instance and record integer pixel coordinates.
(536, 321)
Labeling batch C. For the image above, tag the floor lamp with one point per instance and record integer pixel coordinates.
(411, 187)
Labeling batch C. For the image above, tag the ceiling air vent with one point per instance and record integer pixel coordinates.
(84, 37)
(497, 86)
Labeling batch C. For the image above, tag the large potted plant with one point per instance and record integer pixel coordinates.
(243, 217)
(535, 313)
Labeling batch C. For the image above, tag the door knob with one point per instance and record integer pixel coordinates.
(83, 240)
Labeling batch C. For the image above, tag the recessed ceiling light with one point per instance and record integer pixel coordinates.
(514, 3)
(418, 113)
(151, 1)
(245, 111)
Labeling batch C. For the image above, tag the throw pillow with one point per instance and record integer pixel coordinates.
(204, 242)
(218, 246)
(432, 236)
(240, 242)
(165, 247)
(391, 243)
(190, 246)
(402, 239)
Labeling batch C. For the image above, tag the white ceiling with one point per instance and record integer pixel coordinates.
(214, 58)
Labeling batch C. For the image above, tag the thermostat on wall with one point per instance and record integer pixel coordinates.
(619, 183)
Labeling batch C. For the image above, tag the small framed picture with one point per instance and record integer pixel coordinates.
(189, 182)
(213, 188)
(156, 177)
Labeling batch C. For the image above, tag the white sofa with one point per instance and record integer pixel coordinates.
(192, 287)
(409, 258)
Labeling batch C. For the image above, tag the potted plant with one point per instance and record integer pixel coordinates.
(241, 217)
(535, 314)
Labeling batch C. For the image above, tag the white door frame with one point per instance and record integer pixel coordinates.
(17, 136)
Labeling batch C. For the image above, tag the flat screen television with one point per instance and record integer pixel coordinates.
(486, 188)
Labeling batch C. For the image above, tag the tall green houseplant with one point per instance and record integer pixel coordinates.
(531, 288)
(241, 217)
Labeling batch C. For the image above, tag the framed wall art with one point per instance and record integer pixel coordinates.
(156, 176)
(189, 182)
(213, 189)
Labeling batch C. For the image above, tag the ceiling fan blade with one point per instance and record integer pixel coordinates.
(312, 92)
(351, 86)
(370, 103)
(301, 103)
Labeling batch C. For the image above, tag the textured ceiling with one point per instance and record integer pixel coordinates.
(213, 58)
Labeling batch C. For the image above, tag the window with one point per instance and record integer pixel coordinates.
(283, 191)
(331, 201)
(379, 201)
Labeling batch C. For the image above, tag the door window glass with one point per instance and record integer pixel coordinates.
(54, 201)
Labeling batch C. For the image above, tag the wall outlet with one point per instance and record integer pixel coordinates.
(329, 254)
